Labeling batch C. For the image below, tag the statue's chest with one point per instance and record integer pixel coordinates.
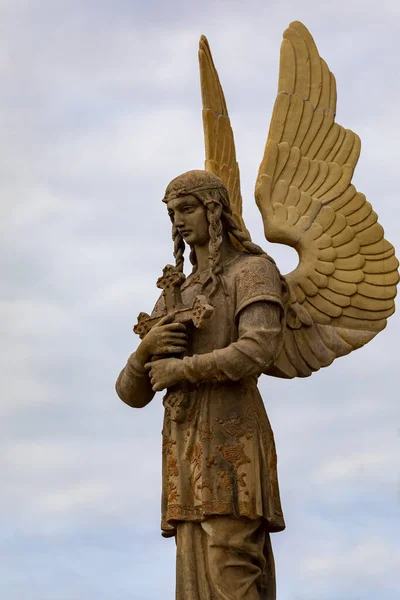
(220, 329)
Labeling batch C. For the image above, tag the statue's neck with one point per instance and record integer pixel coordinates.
(227, 252)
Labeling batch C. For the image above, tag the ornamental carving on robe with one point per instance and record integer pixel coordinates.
(235, 317)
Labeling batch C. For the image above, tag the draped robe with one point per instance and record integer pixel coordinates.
(218, 452)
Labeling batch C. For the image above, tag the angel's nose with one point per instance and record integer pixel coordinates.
(178, 220)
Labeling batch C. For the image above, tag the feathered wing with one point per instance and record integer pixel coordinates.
(218, 134)
(343, 289)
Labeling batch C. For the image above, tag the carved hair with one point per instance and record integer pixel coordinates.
(210, 191)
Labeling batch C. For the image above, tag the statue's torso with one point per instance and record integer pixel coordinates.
(220, 459)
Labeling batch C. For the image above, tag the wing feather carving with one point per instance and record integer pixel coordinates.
(218, 133)
(343, 289)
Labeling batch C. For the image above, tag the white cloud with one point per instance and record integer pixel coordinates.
(100, 108)
(373, 463)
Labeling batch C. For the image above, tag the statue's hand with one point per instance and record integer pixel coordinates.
(164, 338)
(165, 373)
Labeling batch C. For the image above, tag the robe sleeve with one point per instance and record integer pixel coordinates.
(259, 315)
(133, 384)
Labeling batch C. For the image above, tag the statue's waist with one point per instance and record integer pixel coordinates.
(213, 384)
(178, 398)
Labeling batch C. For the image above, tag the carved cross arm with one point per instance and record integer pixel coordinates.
(198, 314)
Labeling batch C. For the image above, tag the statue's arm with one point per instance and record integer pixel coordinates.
(133, 384)
(259, 340)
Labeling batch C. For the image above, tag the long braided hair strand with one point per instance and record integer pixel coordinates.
(220, 219)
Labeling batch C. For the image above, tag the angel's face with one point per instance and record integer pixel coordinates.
(190, 218)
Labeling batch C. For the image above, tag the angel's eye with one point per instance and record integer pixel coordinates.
(188, 209)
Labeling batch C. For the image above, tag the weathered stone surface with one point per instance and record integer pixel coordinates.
(212, 334)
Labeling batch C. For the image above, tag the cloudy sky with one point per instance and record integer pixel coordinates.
(99, 109)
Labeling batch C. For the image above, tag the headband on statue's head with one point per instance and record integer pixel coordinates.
(192, 182)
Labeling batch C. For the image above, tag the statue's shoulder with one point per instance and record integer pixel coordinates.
(249, 265)
(159, 307)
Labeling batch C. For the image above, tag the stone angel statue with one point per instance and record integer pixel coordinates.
(212, 334)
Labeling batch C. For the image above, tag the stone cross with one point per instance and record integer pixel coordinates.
(171, 282)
